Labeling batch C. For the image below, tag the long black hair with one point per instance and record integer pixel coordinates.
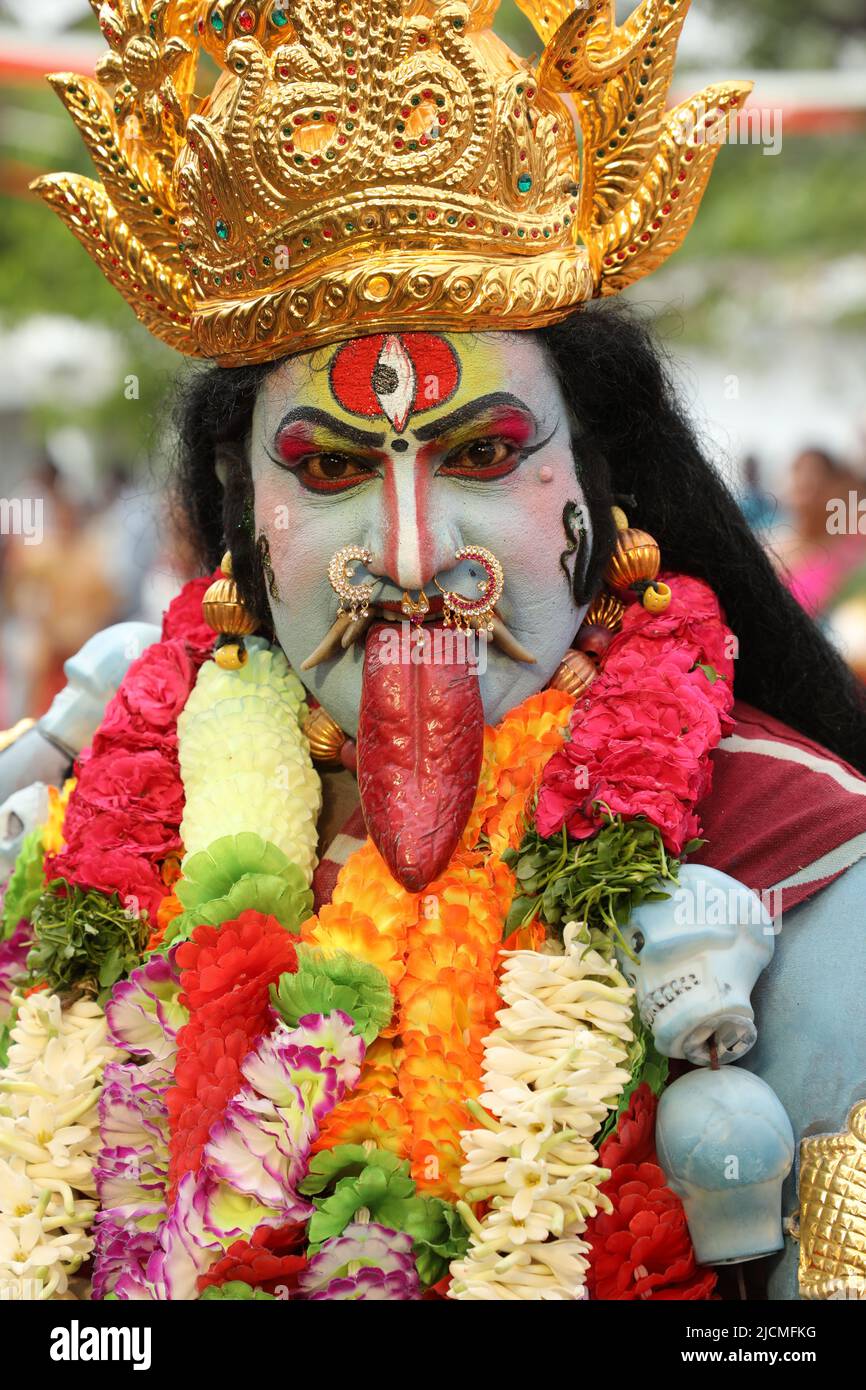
(632, 442)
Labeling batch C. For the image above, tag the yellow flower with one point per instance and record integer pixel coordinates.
(58, 800)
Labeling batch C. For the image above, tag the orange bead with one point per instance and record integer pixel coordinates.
(637, 557)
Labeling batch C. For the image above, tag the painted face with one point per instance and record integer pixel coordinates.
(412, 446)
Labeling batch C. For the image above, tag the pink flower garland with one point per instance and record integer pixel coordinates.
(123, 818)
(640, 741)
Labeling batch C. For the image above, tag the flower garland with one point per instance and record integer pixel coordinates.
(48, 1138)
(244, 761)
(440, 952)
(552, 1070)
(640, 741)
(302, 1116)
(122, 820)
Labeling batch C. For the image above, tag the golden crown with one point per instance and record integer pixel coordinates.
(363, 164)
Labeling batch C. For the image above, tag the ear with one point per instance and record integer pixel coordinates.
(226, 457)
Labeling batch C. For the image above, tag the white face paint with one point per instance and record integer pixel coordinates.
(412, 446)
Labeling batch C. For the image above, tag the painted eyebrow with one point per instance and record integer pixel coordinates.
(312, 416)
(465, 414)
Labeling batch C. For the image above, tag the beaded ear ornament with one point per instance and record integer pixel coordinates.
(632, 573)
(224, 611)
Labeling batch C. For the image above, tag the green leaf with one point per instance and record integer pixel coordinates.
(83, 940)
(598, 882)
(646, 1064)
(709, 671)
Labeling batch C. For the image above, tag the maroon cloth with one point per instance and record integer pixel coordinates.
(778, 804)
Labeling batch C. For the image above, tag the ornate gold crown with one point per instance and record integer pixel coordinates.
(363, 164)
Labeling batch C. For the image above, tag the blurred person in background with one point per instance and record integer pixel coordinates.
(818, 557)
(55, 594)
(758, 506)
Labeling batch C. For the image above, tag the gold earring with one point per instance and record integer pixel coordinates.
(467, 613)
(224, 611)
(354, 598)
(633, 568)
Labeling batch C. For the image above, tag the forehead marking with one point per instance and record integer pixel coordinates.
(395, 375)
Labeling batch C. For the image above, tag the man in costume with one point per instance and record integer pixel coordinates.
(424, 458)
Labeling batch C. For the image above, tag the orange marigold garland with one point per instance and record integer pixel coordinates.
(440, 953)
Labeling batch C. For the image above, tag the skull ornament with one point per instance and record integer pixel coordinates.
(726, 1145)
(697, 956)
(19, 814)
(93, 675)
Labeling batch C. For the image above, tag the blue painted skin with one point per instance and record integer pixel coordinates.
(811, 1047)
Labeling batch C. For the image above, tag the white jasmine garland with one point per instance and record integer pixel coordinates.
(49, 1136)
(245, 761)
(553, 1069)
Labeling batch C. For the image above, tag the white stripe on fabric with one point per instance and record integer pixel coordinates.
(341, 847)
(786, 753)
(838, 859)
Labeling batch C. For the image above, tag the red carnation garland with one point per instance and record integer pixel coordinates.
(226, 975)
(641, 1250)
(640, 740)
(269, 1260)
(123, 818)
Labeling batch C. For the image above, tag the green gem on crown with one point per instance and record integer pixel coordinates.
(222, 230)
(524, 183)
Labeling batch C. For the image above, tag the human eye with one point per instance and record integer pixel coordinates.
(482, 459)
(332, 472)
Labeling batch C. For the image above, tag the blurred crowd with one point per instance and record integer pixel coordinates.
(80, 562)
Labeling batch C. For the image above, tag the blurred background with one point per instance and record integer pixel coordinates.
(763, 310)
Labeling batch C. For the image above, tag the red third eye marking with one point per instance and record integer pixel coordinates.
(397, 375)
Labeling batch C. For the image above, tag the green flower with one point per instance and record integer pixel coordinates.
(214, 871)
(25, 885)
(331, 1166)
(236, 1288)
(379, 1183)
(325, 984)
(235, 874)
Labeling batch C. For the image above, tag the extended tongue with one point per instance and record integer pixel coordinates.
(420, 741)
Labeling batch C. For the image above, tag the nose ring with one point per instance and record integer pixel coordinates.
(354, 598)
(468, 613)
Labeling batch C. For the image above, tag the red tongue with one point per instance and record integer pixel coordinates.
(420, 740)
